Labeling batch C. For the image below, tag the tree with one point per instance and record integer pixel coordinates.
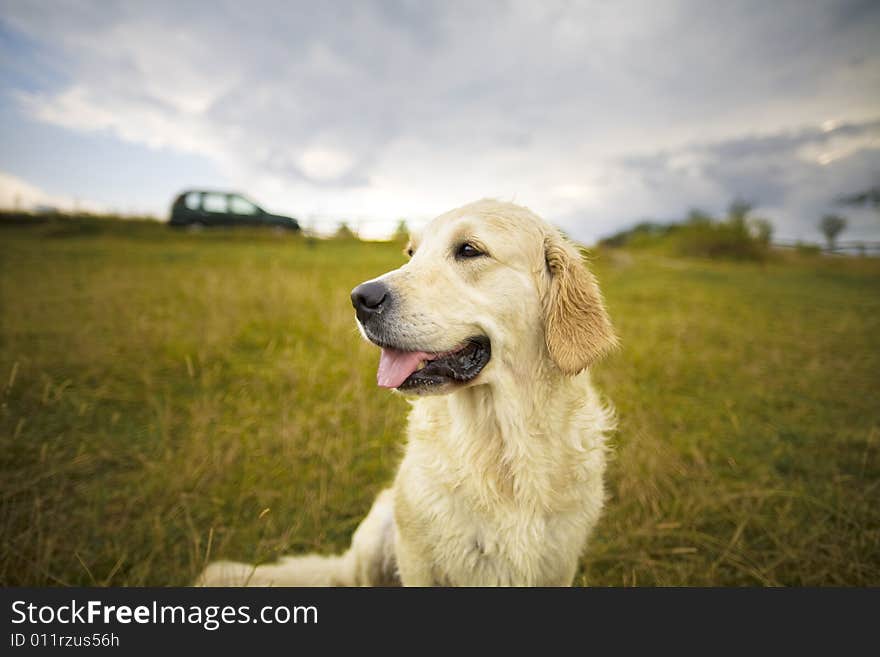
(697, 217)
(738, 212)
(831, 226)
(344, 232)
(762, 230)
(401, 233)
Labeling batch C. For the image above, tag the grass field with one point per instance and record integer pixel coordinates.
(169, 398)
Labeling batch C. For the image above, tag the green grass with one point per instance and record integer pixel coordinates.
(167, 398)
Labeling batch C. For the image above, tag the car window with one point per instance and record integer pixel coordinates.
(213, 202)
(192, 200)
(239, 205)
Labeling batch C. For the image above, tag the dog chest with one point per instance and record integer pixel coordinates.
(463, 542)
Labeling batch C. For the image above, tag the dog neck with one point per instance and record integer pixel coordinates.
(503, 432)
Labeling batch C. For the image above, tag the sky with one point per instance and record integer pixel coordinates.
(596, 115)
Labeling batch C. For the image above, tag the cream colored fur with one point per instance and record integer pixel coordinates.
(501, 480)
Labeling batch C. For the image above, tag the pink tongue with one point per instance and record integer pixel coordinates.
(396, 365)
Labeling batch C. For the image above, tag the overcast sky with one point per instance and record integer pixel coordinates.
(595, 115)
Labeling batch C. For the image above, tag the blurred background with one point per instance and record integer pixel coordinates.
(596, 115)
(170, 395)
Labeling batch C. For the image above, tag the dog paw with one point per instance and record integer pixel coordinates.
(225, 573)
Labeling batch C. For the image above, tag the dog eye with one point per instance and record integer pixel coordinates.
(409, 252)
(468, 251)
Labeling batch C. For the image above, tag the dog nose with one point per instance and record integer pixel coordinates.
(369, 299)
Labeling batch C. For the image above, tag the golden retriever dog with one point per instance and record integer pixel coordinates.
(491, 328)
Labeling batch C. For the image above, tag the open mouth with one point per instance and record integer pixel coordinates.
(410, 370)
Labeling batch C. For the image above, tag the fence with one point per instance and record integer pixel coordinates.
(850, 247)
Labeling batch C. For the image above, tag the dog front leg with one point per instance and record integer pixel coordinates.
(368, 562)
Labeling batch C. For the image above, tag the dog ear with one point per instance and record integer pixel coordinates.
(577, 329)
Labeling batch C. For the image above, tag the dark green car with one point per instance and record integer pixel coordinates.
(197, 208)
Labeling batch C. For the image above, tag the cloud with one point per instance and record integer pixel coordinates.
(593, 114)
(18, 194)
(792, 176)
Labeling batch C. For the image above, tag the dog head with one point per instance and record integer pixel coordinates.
(490, 289)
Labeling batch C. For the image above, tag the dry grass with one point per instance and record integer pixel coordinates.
(169, 397)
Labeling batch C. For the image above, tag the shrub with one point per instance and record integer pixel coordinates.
(729, 240)
(806, 249)
(738, 237)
